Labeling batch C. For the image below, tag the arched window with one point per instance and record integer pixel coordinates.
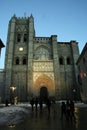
(61, 61)
(68, 60)
(18, 37)
(25, 37)
(42, 53)
(17, 61)
(24, 61)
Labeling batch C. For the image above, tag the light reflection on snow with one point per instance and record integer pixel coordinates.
(12, 126)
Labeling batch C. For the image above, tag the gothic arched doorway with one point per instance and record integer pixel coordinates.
(43, 93)
(43, 84)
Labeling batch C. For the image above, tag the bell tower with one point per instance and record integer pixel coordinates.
(9, 55)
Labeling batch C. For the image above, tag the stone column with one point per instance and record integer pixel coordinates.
(30, 57)
(56, 66)
(75, 55)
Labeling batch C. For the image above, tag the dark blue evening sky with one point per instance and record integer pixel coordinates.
(65, 18)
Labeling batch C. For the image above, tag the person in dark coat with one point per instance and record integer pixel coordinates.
(36, 103)
(32, 103)
(48, 105)
(72, 109)
(63, 110)
(6, 103)
(68, 109)
(41, 105)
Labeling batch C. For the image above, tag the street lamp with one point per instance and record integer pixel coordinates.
(74, 94)
(12, 90)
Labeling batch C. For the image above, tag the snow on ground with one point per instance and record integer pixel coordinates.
(15, 114)
(80, 105)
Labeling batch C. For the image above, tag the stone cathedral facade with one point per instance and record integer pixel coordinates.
(38, 66)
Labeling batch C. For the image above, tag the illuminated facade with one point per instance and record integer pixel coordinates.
(38, 65)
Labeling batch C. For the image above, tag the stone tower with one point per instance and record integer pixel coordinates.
(39, 66)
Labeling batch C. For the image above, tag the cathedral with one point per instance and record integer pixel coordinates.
(38, 66)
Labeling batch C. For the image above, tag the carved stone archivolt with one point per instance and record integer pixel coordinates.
(45, 79)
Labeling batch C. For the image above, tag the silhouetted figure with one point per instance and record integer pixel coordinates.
(54, 107)
(32, 103)
(48, 105)
(63, 110)
(72, 109)
(41, 105)
(68, 109)
(36, 103)
(6, 103)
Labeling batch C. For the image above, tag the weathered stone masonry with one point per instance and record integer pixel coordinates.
(32, 63)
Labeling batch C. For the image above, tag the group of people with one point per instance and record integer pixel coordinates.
(68, 110)
(39, 102)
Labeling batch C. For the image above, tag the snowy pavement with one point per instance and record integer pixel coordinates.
(80, 105)
(15, 114)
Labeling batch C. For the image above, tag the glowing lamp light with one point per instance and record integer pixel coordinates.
(21, 49)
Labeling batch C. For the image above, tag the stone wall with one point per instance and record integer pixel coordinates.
(82, 79)
(28, 56)
(2, 85)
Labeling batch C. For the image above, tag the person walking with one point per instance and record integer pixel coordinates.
(41, 105)
(72, 110)
(48, 106)
(53, 106)
(36, 103)
(63, 110)
(68, 109)
(32, 103)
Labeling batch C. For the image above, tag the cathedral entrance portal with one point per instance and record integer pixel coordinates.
(43, 86)
(43, 93)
